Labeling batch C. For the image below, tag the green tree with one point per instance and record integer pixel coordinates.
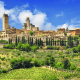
(36, 41)
(52, 61)
(31, 33)
(32, 41)
(49, 41)
(40, 41)
(34, 48)
(79, 48)
(28, 39)
(9, 41)
(46, 41)
(67, 29)
(55, 42)
(77, 42)
(62, 42)
(16, 41)
(70, 41)
(23, 39)
(65, 33)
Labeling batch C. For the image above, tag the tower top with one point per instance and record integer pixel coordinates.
(5, 15)
(27, 18)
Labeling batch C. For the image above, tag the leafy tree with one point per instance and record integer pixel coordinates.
(16, 41)
(53, 41)
(30, 41)
(77, 42)
(11, 41)
(31, 33)
(75, 37)
(47, 61)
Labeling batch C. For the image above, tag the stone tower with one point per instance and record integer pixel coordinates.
(28, 23)
(5, 22)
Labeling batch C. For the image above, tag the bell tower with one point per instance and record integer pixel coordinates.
(5, 22)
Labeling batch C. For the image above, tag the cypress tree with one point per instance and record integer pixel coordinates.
(16, 41)
(28, 39)
(46, 41)
(49, 41)
(62, 42)
(40, 41)
(36, 41)
(32, 40)
(9, 41)
(55, 42)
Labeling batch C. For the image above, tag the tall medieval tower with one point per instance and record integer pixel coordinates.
(5, 22)
(28, 23)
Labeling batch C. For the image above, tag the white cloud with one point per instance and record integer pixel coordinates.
(58, 15)
(70, 26)
(49, 26)
(37, 19)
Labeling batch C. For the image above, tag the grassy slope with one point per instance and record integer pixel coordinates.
(35, 74)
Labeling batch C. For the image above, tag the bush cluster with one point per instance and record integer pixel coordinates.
(21, 62)
(9, 46)
(3, 41)
(50, 47)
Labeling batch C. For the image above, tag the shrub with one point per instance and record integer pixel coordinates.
(75, 49)
(72, 67)
(78, 69)
(4, 70)
(67, 46)
(34, 48)
(49, 47)
(59, 65)
(47, 61)
(40, 46)
(52, 61)
(67, 76)
(21, 62)
(26, 62)
(3, 58)
(60, 52)
(19, 45)
(37, 63)
(25, 47)
(66, 63)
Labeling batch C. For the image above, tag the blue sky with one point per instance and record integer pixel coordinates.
(45, 14)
